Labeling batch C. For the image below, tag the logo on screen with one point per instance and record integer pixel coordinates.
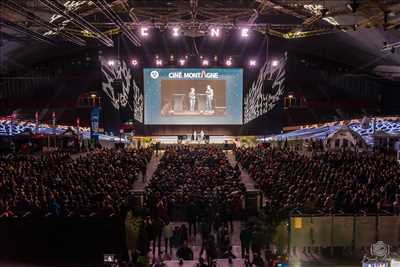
(154, 74)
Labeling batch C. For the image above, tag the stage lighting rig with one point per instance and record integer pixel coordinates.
(106, 9)
(390, 47)
(37, 20)
(78, 20)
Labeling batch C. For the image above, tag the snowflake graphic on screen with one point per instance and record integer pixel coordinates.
(256, 103)
(138, 102)
(113, 72)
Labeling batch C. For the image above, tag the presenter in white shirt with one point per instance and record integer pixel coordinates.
(210, 98)
(192, 99)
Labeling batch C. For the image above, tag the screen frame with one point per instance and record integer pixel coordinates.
(194, 68)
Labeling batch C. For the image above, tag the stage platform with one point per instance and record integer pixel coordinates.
(187, 139)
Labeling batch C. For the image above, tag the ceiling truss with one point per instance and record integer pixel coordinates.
(194, 17)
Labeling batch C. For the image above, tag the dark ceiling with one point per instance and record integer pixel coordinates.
(36, 30)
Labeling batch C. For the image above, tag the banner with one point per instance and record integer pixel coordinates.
(36, 122)
(13, 118)
(78, 127)
(54, 122)
(94, 123)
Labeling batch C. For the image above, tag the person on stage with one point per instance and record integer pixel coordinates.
(192, 99)
(210, 97)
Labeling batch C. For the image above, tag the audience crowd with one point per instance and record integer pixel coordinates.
(95, 183)
(328, 182)
(197, 180)
(199, 185)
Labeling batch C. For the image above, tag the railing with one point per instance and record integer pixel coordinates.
(311, 236)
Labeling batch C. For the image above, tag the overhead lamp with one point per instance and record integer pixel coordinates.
(144, 31)
(175, 32)
(244, 32)
(215, 32)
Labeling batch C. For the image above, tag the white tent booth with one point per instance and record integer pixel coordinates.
(387, 141)
(345, 138)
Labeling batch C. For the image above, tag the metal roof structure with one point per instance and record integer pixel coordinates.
(31, 26)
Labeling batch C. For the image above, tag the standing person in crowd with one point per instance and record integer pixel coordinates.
(191, 217)
(183, 234)
(245, 240)
(211, 250)
(258, 260)
(167, 235)
(157, 227)
(205, 231)
(133, 225)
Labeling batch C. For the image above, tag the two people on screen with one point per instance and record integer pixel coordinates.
(209, 98)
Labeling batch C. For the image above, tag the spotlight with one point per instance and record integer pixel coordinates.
(215, 32)
(252, 62)
(134, 62)
(111, 63)
(182, 62)
(228, 62)
(175, 31)
(244, 32)
(158, 62)
(144, 31)
(205, 62)
(171, 57)
(215, 58)
(274, 63)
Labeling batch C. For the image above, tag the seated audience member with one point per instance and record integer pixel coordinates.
(331, 182)
(198, 181)
(56, 184)
(185, 252)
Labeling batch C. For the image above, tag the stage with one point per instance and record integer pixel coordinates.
(188, 140)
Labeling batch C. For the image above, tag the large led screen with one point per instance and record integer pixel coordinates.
(193, 96)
